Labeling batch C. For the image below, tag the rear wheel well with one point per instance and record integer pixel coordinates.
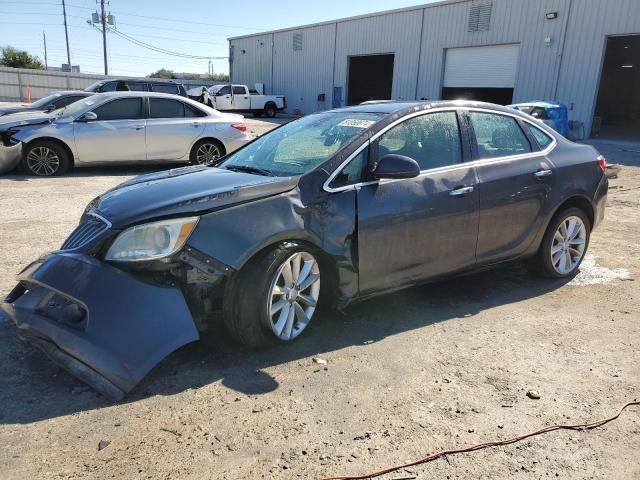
(578, 202)
(54, 140)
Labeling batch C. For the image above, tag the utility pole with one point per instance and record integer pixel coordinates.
(66, 33)
(44, 39)
(103, 20)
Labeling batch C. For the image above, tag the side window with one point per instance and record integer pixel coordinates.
(542, 138)
(165, 108)
(164, 88)
(190, 111)
(432, 140)
(107, 87)
(63, 102)
(238, 90)
(121, 109)
(226, 90)
(352, 172)
(137, 86)
(498, 135)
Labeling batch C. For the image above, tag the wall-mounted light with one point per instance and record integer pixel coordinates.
(626, 66)
(551, 15)
(547, 40)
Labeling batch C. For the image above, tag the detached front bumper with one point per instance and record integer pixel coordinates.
(9, 156)
(100, 323)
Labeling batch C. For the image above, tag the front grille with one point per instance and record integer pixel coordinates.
(84, 233)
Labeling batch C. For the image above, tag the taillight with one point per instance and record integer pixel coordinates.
(239, 126)
(603, 163)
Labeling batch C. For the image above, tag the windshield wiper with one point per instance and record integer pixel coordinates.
(248, 169)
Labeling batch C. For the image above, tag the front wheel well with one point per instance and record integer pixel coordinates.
(54, 140)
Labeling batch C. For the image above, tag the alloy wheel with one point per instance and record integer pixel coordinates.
(568, 245)
(293, 296)
(43, 161)
(207, 154)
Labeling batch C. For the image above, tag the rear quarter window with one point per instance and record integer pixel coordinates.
(542, 138)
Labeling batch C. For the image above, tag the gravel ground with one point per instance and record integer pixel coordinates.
(433, 367)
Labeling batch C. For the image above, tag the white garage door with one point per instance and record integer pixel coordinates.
(482, 67)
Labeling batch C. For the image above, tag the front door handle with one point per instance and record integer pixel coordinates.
(543, 173)
(459, 192)
(139, 127)
(197, 124)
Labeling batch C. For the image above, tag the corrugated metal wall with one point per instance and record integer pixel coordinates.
(566, 68)
(304, 73)
(14, 82)
(250, 61)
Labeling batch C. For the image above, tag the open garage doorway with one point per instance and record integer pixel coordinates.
(617, 113)
(370, 78)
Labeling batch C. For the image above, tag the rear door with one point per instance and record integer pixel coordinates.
(117, 135)
(413, 229)
(241, 99)
(172, 127)
(515, 182)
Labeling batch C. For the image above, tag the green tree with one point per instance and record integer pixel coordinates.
(162, 73)
(12, 57)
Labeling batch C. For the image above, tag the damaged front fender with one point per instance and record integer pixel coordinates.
(100, 323)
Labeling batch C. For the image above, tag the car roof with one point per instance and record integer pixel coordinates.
(147, 80)
(403, 107)
(133, 93)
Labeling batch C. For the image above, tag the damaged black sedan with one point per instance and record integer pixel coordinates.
(333, 207)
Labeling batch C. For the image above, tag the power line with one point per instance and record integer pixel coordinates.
(189, 21)
(160, 50)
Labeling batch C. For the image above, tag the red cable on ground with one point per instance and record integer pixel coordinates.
(433, 456)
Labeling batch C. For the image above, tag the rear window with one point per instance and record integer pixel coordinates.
(498, 135)
(239, 90)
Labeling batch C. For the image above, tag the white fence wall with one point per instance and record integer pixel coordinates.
(14, 82)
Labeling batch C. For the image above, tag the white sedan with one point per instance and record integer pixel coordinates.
(121, 127)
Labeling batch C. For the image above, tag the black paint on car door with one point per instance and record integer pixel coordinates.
(414, 229)
(515, 181)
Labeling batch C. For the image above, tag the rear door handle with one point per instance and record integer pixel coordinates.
(139, 127)
(197, 124)
(543, 173)
(459, 192)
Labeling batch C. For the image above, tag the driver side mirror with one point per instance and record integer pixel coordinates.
(87, 117)
(51, 107)
(396, 166)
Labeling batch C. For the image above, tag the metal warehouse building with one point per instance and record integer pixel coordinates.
(584, 53)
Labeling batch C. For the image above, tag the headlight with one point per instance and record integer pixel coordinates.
(151, 240)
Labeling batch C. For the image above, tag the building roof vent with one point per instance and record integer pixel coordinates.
(480, 16)
(297, 41)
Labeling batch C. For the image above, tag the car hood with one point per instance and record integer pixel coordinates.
(183, 191)
(13, 109)
(24, 118)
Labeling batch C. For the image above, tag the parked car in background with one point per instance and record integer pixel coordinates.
(138, 85)
(336, 206)
(552, 114)
(238, 98)
(108, 128)
(47, 104)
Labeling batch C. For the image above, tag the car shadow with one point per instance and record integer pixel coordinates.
(33, 389)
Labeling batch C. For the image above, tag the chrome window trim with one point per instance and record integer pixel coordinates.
(474, 163)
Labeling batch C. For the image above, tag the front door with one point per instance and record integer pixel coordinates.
(241, 100)
(172, 128)
(224, 100)
(515, 181)
(118, 134)
(413, 229)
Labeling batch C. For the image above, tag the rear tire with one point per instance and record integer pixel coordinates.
(270, 110)
(206, 152)
(45, 158)
(564, 245)
(265, 303)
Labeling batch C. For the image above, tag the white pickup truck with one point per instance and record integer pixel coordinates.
(238, 98)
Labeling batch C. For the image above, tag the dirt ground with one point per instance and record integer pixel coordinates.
(439, 366)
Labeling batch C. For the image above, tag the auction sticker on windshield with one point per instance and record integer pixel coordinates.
(356, 122)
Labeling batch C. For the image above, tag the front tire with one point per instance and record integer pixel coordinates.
(45, 159)
(273, 298)
(564, 244)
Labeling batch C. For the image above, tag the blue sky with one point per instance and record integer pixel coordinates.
(191, 27)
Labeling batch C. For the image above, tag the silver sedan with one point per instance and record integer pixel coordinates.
(119, 127)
